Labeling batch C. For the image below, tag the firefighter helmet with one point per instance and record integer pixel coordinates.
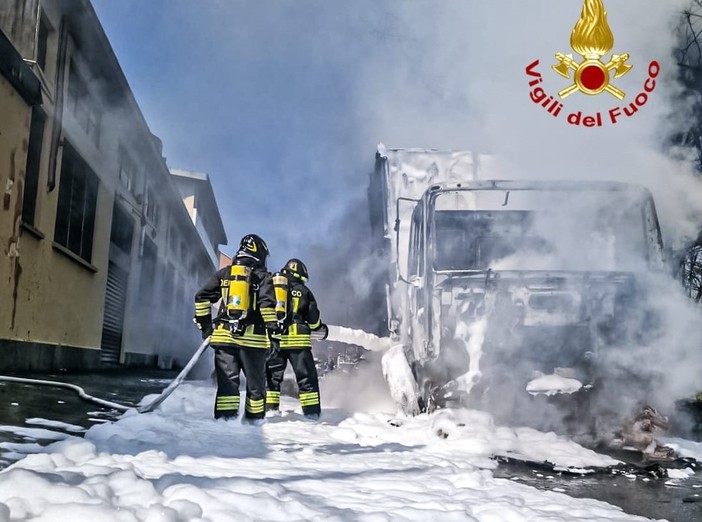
(297, 269)
(254, 247)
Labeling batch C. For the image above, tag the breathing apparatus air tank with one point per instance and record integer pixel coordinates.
(239, 296)
(280, 285)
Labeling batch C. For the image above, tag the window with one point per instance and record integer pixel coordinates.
(127, 171)
(156, 214)
(75, 216)
(122, 228)
(148, 271)
(476, 239)
(77, 94)
(92, 125)
(83, 107)
(153, 210)
(31, 180)
(42, 39)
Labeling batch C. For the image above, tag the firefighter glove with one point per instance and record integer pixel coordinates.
(204, 324)
(274, 328)
(321, 332)
(207, 332)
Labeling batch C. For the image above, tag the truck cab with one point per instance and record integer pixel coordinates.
(497, 280)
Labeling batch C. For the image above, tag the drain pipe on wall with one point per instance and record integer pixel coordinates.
(146, 408)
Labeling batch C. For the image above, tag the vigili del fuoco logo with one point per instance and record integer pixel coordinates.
(592, 39)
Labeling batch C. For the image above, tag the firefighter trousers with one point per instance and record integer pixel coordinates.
(230, 361)
(302, 363)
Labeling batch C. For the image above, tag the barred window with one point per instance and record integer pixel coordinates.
(82, 105)
(75, 216)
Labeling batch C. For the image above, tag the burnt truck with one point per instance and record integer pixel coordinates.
(499, 292)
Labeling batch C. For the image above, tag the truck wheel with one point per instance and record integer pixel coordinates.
(398, 375)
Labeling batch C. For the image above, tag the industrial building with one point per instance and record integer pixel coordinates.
(102, 247)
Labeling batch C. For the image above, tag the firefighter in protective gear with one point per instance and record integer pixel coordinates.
(298, 316)
(239, 335)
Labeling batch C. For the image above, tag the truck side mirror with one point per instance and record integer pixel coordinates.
(403, 231)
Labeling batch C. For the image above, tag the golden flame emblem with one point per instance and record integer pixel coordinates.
(592, 38)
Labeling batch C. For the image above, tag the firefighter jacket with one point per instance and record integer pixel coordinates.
(261, 308)
(302, 317)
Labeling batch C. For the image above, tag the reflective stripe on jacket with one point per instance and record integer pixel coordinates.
(303, 316)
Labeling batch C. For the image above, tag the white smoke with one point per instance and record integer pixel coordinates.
(361, 388)
(452, 76)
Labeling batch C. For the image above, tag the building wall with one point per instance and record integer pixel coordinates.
(57, 299)
(189, 202)
(14, 129)
(224, 260)
(54, 301)
(18, 19)
(199, 199)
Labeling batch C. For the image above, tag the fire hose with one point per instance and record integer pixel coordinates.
(145, 408)
(333, 333)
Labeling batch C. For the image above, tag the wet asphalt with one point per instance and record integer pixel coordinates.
(638, 490)
(20, 402)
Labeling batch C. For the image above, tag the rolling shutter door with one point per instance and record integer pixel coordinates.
(113, 322)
